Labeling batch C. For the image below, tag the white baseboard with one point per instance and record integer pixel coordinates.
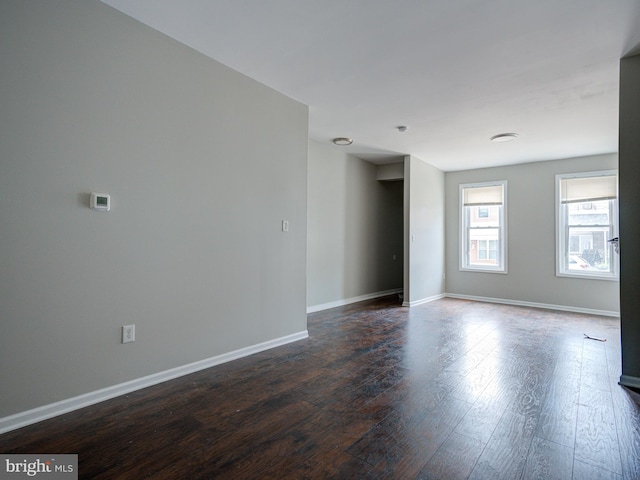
(347, 301)
(44, 412)
(564, 308)
(423, 300)
(629, 381)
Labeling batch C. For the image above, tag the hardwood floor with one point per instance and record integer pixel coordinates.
(447, 390)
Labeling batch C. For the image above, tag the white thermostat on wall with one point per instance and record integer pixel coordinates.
(101, 201)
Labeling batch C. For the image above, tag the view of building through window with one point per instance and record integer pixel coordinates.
(484, 235)
(587, 220)
(589, 228)
(483, 232)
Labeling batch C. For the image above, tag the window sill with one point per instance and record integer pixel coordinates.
(586, 276)
(483, 270)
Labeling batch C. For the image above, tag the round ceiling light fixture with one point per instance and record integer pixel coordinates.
(504, 137)
(343, 141)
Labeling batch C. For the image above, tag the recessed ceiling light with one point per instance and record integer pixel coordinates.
(402, 128)
(343, 141)
(504, 137)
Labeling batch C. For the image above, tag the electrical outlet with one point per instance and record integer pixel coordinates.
(128, 333)
(285, 225)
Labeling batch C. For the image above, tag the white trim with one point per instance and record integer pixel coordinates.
(424, 300)
(44, 412)
(347, 301)
(564, 308)
(482, 270)
(629, 381)
(595, 276)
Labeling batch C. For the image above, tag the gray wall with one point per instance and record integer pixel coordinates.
(424, 231)
(531, 239)
(630, 219)
(202, 164)
(355, 228)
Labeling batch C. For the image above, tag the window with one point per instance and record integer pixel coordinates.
(483, 242)
(587, 213)
(487, 249)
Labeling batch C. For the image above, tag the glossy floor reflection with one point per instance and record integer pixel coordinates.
(446, 390)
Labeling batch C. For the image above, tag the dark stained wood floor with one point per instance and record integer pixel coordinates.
(447, 390)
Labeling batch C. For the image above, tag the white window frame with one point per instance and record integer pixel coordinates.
(464, 265)
(562, 229)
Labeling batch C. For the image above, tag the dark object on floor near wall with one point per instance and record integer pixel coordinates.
(594, 338)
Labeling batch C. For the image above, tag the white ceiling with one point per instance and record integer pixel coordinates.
(455, 72)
